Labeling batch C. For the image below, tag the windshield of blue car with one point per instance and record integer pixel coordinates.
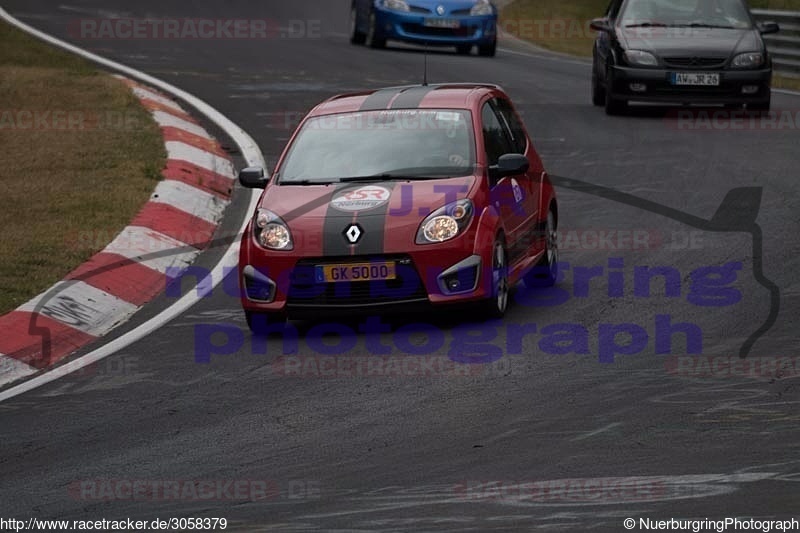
(725, 14)
(401, 143)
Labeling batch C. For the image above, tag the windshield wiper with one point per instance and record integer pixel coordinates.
(305, 182)
(704, 25)
(646, 25)
(387, 176)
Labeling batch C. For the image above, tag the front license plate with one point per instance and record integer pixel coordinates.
(356, 272)
(443, 23)
(695, 78)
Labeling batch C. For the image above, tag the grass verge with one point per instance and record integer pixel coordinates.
(79, 158)
(563, 26)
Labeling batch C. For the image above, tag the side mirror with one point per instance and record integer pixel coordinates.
(253, 178)
(768, 27)
(601, 24)
(509, 165)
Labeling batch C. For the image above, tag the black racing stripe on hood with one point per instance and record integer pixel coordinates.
(379, 100)
(412, 98)
(372, 223)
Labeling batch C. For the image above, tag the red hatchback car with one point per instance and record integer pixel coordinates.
(429, 194)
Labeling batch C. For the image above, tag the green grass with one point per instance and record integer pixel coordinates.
(79, 158)
(563, 26)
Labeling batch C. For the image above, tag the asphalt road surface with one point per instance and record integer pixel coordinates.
(535, 441)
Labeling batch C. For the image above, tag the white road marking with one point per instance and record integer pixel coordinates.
(82, 307)
(167, 120)
(250, 151)
(201, 158)
(596, 432)
(190, 200)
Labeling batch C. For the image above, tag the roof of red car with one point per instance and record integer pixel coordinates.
(438, 96)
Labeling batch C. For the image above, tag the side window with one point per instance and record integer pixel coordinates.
(494, 136)
(519, 141)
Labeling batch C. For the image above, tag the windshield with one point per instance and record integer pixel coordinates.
(418, 143)
(686, 13)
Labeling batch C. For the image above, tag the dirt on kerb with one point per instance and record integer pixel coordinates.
(79, 156)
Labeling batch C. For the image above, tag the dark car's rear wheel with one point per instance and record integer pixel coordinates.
(488, 50)
(464, 49)
(373, 40)
(263, 323)
(545, 273)
(356, 37)
(495, 306)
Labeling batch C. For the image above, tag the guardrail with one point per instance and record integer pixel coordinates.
(784, 46)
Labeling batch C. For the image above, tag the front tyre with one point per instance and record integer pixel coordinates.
(598, 91)
(488, 50)
(495, 306)
(373, 40)
(614, 106)
(356, 37)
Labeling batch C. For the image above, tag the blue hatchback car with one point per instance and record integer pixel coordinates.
(459, 23)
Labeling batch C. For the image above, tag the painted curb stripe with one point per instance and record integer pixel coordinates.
(190, 199)
(11, 369)
(152, 249)
(153, 106)
(176, 224)
(208, 145)
(25, 345)
(213, 163)
(167, 120)
(80, 306)
(147, 94)
(122, 277)
(198, 177)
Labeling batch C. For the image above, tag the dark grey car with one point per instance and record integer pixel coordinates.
(680, 51)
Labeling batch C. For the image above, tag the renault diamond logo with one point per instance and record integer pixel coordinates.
(353, 233)
(440, 10)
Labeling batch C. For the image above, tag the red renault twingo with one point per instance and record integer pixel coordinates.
(399, 197)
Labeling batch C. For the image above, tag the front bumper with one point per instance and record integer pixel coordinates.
(436, 274)
(411, 27)
(660, 89)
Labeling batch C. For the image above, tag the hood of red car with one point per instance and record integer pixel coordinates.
(387, 214)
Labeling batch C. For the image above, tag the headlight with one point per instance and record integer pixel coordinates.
(748, 60)
(396, 5)
(483, 7)
(445, 223)
(640, 58)
(271, 231)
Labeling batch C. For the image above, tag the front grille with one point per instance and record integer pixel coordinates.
(462, 12)
(305, 291)
(420, 29)
(417, 9)
(695, 62)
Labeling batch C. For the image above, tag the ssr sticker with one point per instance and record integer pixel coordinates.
(361, 199)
